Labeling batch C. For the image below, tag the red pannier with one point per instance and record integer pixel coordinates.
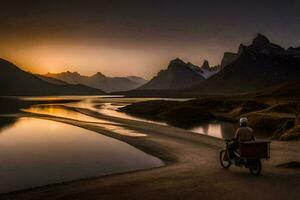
(255, 149)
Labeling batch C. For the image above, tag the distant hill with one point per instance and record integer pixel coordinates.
(178, 75)
(51, 80)
(15, 81)
(137, 79)
(100, 81)
(258, 66)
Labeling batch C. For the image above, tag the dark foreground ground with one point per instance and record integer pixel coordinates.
(192, 170)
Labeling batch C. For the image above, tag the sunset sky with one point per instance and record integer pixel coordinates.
(139, 37)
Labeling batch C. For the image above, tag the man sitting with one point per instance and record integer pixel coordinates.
(242, 134)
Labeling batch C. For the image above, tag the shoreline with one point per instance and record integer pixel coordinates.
(273, 120)
(162, 142)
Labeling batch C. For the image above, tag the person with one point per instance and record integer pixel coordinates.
(243, 134)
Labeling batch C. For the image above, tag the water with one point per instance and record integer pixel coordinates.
(215, 129)
(61, 111)
(112, 110)
(37, 152)
(108, 105)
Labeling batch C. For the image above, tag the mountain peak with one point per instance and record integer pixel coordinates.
(263, 45)
(241, 48)
(205, 65)
(98, 74)
(177, 61)
(72, 73)
(260, 41)
(178, 75)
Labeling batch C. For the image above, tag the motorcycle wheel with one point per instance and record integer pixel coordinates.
(224, 159)
(255, 168)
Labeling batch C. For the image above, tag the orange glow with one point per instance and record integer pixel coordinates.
(88, 57)
(85, 60)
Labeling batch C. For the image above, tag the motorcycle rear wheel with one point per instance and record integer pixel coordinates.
(255, 168)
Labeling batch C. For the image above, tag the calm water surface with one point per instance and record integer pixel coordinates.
(37, 152)
(61, 111)
(108, 105)
(215, 129)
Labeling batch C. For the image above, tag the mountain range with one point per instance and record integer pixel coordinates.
(258, 66)
(254, 68)
(99, 81)
(14, 81)
(180, 75)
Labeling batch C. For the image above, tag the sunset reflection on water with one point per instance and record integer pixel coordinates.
(61, 111)
(36, 152)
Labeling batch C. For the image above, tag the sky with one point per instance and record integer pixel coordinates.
(136, 37)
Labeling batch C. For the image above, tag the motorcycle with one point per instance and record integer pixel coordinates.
(248, 154)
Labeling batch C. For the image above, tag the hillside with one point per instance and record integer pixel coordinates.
(178, 75)
(15, 81)
(259, 66)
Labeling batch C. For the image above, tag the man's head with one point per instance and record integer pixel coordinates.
(243, 121)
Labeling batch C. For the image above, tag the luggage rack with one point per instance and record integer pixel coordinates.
(255, 149)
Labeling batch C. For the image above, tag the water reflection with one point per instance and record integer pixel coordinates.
(36, 152)
(109, 105)
(65, 112)
(215, 129)
(55, 98)
(86, 104)
(6, 122)
(61, 111)
(112, 110)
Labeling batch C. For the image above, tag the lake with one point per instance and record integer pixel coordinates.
(37, 152)
(108, 105)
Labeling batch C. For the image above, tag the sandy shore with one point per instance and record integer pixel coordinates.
(192, 169)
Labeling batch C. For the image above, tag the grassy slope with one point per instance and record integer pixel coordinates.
(275, 119)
